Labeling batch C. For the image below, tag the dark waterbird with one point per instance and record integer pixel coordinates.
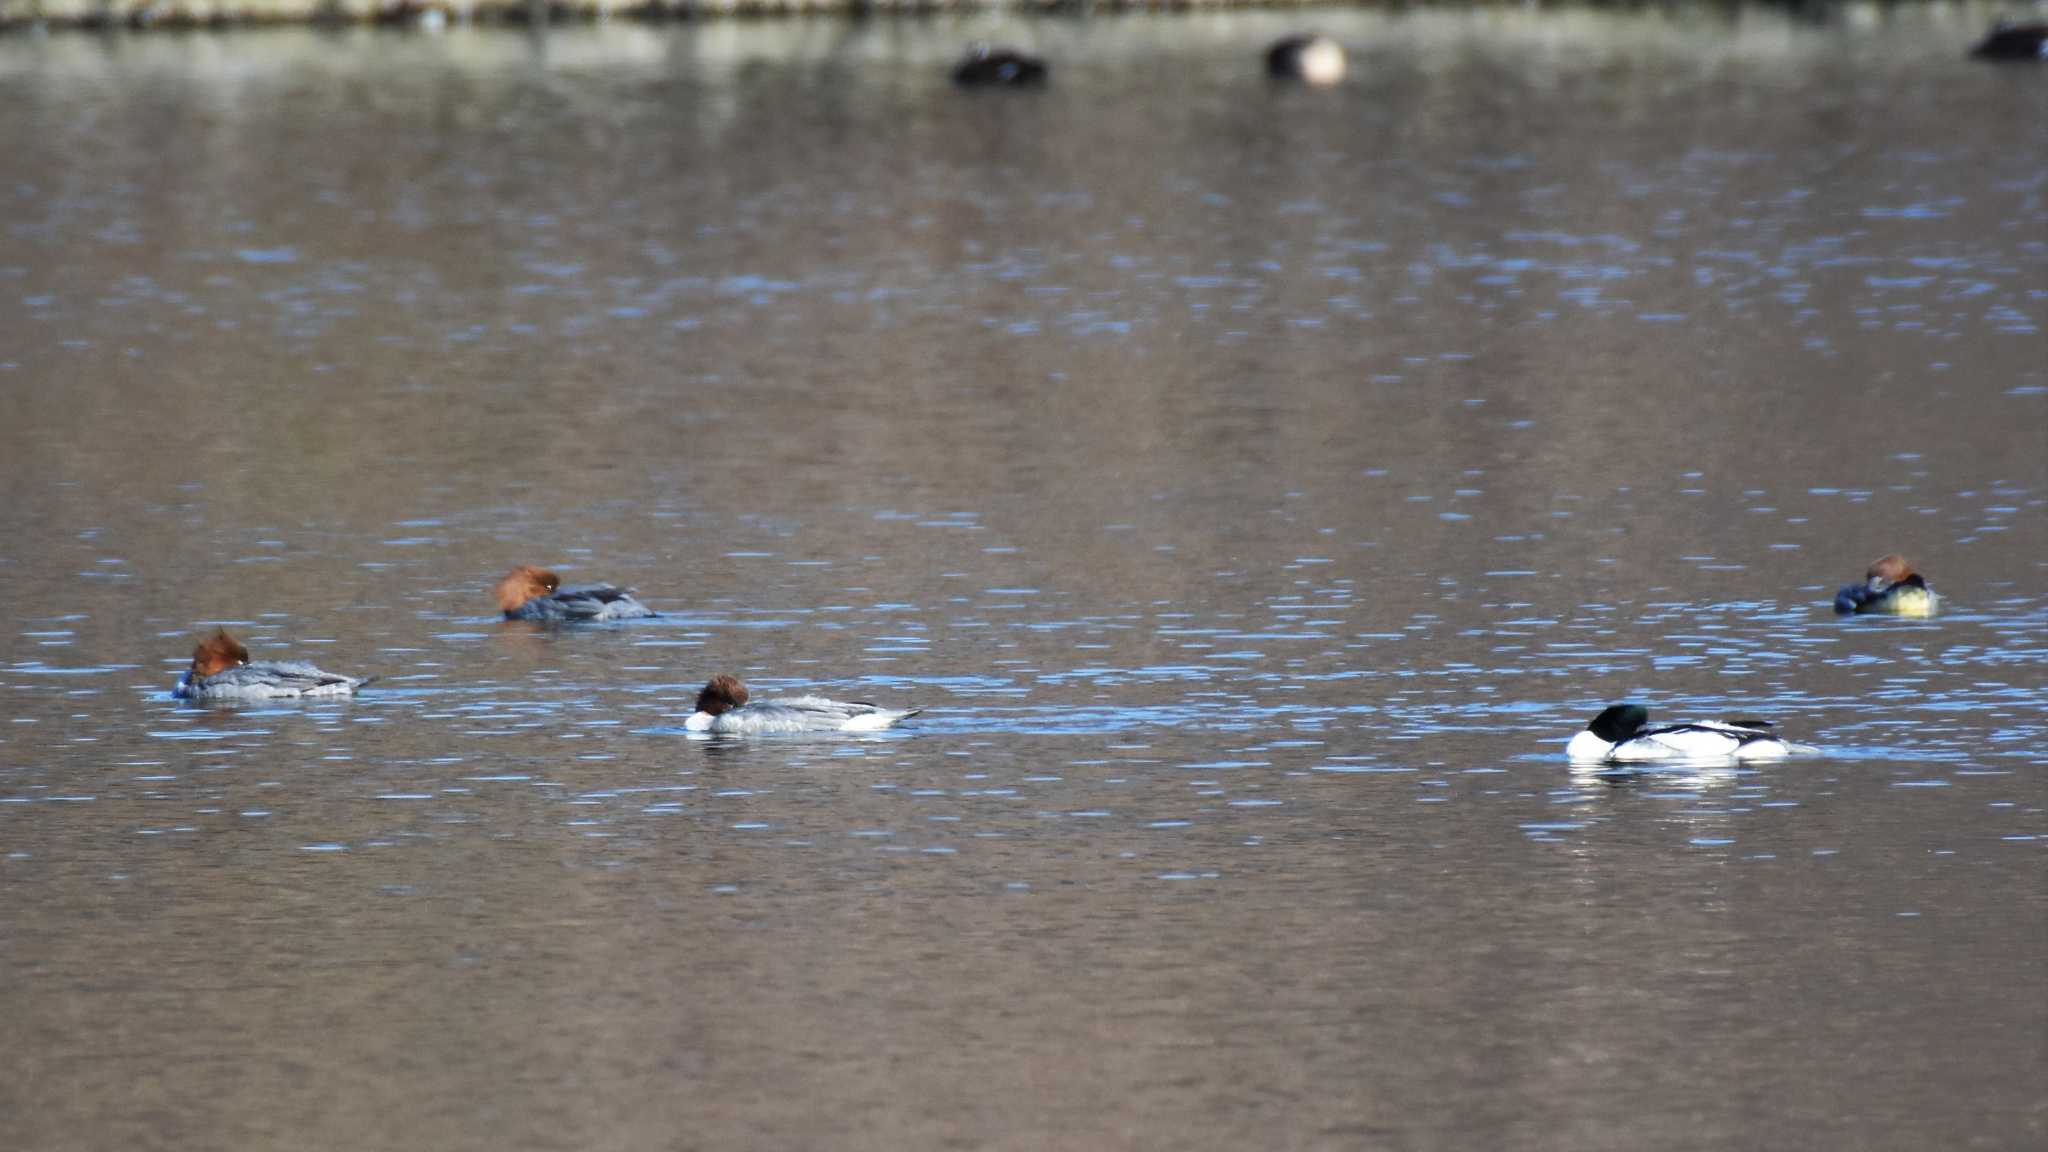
(987, 67)
(2008, 41)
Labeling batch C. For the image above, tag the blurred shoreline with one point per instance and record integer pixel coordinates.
(35, 16)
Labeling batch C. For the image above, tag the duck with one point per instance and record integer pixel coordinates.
(1890, 586)
(723, 710)
(1311, 59)
(221, 671)
(2009, 41)
(987, 67)
(530, 593)
(1621, 734)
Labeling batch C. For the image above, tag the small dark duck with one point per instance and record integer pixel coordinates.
(2009, 41)
(987, 67)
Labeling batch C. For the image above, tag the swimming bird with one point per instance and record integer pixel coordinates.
(1621, 735)
(2009, 41)
(530, 593)
(221, 671)
(1312, 59)
(998, 67)
(723, 709)
(1890, 586)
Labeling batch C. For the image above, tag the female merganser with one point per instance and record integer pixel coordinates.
(1890, 585)
(1309, 59)
(722, 708)
(998, 67)
(530, 593)
(221, 671)
(1621, 735)
(2008, 41)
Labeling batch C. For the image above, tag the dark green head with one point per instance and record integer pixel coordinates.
(1619, 722)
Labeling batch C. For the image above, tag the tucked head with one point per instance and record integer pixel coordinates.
(218, 653)
(1619, 722)
(722, 694)
(1886, 571)
(522, 584)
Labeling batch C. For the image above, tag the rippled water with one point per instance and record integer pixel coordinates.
(1257, 486)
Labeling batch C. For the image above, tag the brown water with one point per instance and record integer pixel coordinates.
(1256, 485)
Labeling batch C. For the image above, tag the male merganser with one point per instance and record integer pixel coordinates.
(722, 708)
(2009, 41)
(530, 593)
(998, 67)
(1309, 59)
(1890, 585)
(221, 671)
(1621, 735)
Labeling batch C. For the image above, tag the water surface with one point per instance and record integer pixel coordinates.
(1256, 485)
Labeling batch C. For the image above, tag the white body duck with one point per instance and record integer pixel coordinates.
(1311, 59)
(530, 593)
(221, 671)
(722, 709)
(1889, 586)
(1622, 735)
